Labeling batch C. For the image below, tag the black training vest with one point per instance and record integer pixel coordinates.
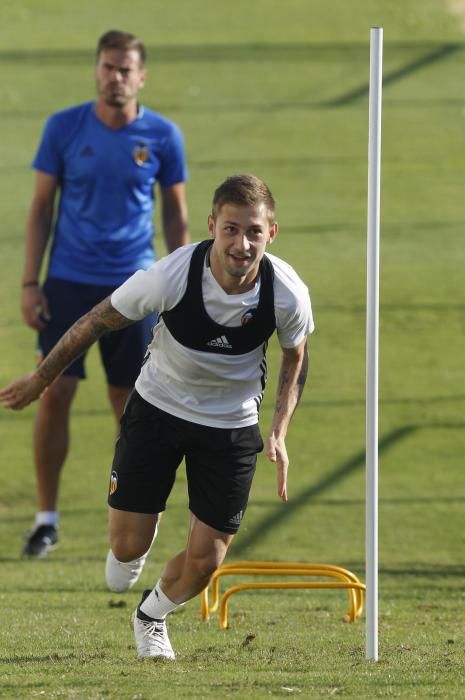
(189, 323)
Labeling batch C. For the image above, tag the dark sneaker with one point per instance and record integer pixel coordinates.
(40, 541)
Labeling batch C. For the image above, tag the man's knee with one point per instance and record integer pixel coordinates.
(131, 534)
(127, 547)
(59, 396)
(206, 549)
(203, 565)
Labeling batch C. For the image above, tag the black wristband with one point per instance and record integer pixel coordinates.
(32, 283)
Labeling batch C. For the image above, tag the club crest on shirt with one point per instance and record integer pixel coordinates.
(141, 154)
(113, 482)
(247, 316)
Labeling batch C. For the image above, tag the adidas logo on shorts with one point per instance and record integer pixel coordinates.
(221, 342)
(236, 519)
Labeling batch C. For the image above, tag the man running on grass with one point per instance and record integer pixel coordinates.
(197, 396)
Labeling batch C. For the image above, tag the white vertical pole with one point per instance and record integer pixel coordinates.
(372, 341)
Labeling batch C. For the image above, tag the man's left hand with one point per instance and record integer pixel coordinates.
(276, 452)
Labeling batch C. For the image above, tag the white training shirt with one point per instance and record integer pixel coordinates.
(203, 387)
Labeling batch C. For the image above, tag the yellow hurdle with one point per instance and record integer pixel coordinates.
(345, 580)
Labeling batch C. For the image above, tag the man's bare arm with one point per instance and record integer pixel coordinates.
(103, 318)
(174, 216)
(34, 303)
(292, 378)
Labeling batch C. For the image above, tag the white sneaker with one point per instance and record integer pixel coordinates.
(120, 575)
(151, 637)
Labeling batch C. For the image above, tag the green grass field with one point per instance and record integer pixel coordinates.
(278, 89)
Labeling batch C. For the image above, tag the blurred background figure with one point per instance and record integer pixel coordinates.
(104, 158)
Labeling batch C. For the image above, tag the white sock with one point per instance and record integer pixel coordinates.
(157, 605)
(122, 575)
(47, 517)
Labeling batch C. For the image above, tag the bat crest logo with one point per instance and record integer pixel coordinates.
(113, 482)
(140, 154)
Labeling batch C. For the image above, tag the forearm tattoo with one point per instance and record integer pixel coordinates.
(101, 319)
(302, 378)
(283, 381)
(282, 399)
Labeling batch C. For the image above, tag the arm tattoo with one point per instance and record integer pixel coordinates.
(101, 319)
(283, 398)
(302, 378)
(283, 380)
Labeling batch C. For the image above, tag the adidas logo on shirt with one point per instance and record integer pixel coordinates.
(221, 342)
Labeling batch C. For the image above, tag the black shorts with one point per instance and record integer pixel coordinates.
(220, 464)
(121, 352)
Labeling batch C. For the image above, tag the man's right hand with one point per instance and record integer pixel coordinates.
(22, 391)
(34, 307)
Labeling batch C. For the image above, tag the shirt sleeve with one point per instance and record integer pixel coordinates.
(293, 308)
(173, 167)
(48, 158)
(156, 289)
(295, 325)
